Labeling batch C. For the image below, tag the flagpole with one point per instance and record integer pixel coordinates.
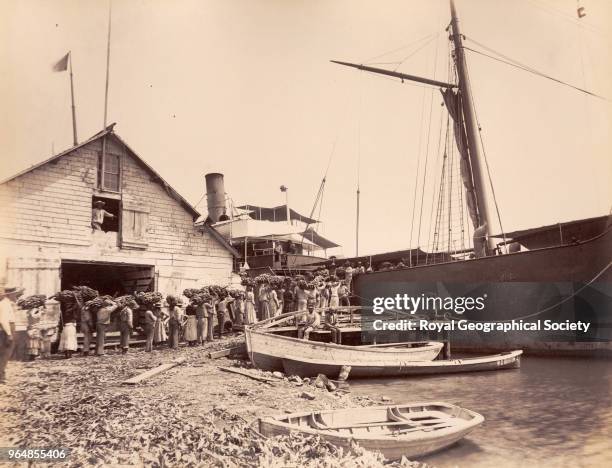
(107, 62)
(106, 90)
(74, 126)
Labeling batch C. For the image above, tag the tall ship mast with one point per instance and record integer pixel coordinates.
(558, 273)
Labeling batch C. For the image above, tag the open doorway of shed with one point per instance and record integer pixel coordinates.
(114, 279)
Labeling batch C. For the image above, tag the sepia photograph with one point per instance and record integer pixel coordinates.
(306, 233)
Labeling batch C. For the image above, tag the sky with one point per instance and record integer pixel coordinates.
(245, 87)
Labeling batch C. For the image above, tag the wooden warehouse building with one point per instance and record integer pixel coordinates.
(151, 244)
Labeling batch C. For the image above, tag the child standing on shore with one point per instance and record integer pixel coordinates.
(33, 332)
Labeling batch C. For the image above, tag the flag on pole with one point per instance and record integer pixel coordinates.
(62, 65)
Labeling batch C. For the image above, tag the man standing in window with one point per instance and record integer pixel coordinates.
(98, 214)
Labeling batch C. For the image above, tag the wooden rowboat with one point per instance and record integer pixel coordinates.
(306, 367)
(410, 430)
(267, 349)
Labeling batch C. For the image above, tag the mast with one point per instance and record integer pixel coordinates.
(469, 115)
(357, 225)
(74, 126)
(107, 64)
(106, 91)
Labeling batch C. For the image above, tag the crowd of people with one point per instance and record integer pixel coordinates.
(206, 313)
(271, 295)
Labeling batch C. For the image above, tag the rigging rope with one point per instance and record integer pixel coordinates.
(484, 153)
(416, 179)
(425, 172)
(199, 201)
(400, 48)
(415, 52)
(513, 63)
(442, 188)
(433, 193)
(357, 208)
(435, 67)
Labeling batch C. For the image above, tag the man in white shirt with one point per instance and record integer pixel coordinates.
(8, 297)
(98, 213)
(313, 321)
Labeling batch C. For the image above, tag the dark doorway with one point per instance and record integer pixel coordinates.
(113, 279)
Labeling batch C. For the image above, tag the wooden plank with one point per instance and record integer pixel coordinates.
(233, 351)
(248, 374)
(151, 372)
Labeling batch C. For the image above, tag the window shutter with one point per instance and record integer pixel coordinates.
(134, 223)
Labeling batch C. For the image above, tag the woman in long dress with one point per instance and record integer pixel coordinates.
(160, 335)
(238, 308)
(191, 327)
(274, 303)
(264, 303)
(68, 338)
(250, 307)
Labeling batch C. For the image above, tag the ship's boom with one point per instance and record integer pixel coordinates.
(403, 76)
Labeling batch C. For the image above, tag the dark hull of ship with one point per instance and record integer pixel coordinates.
(562, 283)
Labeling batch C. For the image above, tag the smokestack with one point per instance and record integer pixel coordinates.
(215, 193)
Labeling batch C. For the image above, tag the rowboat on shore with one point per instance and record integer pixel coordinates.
(410, 430)
(266, 349)
(308, 367)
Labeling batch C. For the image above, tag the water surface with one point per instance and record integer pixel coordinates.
(550, 412)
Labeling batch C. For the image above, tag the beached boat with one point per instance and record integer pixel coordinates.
(267, 349)
(410, 430)
(305, 367)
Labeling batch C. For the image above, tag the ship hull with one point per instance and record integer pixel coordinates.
(569, 283)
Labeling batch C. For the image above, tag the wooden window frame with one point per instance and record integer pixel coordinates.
(102, 170)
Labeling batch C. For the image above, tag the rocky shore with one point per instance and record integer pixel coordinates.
(194, 414)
